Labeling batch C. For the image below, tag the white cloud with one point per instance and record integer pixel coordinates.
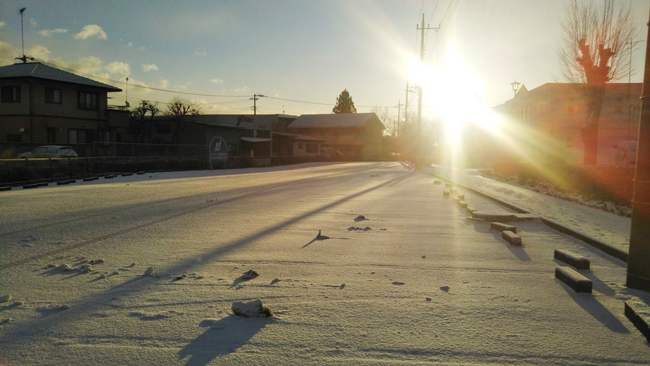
(201, 53)
(241, 90)
(137, 88)
(7, 54)
(33, 22)
(49, 32)
(116, 67)
(41, 53)
(217, 81)
(149, 67)
(141, 48)
(164, 83)
(85, 66)
(2, 23)
(91, 30)
(130, 44)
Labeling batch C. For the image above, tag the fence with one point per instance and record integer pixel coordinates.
(112, 149)
(25, 171)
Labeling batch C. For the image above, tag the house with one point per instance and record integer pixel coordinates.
(357, 136)
(41, 104)
(246, 135)
(557, 112)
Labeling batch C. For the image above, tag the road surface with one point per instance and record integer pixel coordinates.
(415, 283)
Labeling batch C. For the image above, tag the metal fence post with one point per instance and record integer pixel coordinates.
(51, 176)
(69, 168)
(87, 168)
(27, 167)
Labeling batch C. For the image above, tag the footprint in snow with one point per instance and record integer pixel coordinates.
(398, 283)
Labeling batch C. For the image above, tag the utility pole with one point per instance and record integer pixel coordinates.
(420, 92)
(255, 98)
(629, 81)
(638, 265)
(399, 105)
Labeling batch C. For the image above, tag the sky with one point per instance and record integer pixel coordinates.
(297, 50)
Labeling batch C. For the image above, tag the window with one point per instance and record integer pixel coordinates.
(312, 149)
(88, 101)
(104, 136)
(10, 94)
(53, 95)
(15, 138)
(164, 129)
(51, 135)
(76, 136)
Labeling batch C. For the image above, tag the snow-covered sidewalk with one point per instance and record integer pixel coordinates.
(604, 226)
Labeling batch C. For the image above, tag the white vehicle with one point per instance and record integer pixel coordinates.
(50, 151)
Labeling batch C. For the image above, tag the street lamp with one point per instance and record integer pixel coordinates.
(515, 87)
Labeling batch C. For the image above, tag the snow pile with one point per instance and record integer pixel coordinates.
(251, 309)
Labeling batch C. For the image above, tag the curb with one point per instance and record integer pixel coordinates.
(607, 248)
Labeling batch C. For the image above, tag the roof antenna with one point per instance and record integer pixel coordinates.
(22, 32)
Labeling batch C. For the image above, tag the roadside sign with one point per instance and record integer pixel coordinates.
(218, 149)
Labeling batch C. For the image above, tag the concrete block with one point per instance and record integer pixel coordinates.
(635, 314)
(88, 179)
(109, 177)
(127, 174)
(455, 199)
(43, 184)
(62, 183)
(494, 216)
(445, 192)
(575, 280)
(72, 181)
(142, 172)
(471, 209)
(448, 185)
(461, 196)
(437, 182)
(502, 227)
(30, 186)
(462, 204)
(511, 238)
(575, 260)
(2, 189)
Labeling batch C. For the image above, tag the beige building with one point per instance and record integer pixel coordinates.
(557, 111)
(41, 104)
(356, 136)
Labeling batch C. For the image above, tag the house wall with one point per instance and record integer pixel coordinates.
(556, 112)
(300, 148)
(37, 117)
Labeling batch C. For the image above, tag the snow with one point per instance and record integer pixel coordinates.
(598, 224)
(336, 303)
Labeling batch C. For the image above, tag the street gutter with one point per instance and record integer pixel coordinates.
(607, 248)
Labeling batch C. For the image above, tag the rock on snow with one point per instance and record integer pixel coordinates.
(251, 309)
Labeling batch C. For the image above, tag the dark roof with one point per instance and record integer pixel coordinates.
(38, 70)
(333, 120)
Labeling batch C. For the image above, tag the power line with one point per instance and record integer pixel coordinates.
(433, 12)
(446, 19)
(421, 8)
(195, 94)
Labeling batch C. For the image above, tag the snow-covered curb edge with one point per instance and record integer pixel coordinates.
(607, 248)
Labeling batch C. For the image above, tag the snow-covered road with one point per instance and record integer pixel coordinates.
(371, 294)
(604, 226)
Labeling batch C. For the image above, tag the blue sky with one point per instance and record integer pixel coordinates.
(302, 50)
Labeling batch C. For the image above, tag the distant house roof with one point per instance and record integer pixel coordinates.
(38, 70)
(298, 137)
(334, 120)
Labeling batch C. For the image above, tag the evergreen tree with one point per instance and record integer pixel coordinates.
(344, 103)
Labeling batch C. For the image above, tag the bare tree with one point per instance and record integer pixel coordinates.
(179, 109)
(592, 53)
(387, 118)
(141, 126)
